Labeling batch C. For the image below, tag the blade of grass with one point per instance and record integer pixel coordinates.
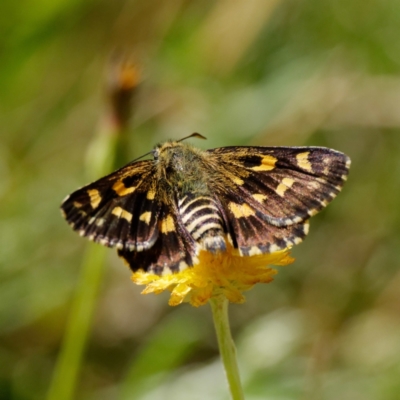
(77, 332)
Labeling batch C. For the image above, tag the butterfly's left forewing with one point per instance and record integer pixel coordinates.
(119, 210)
(128, 210)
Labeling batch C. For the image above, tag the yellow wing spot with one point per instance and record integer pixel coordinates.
(234, 178)
(167, 224)
(237, 180)
(121, 189)
(146, 217)
(241, 210)
(284, 185)
(259, 197)
(303, 161)
(121, 213)
(151, 194)
(77, 204)
(95, 197)
(267, 164)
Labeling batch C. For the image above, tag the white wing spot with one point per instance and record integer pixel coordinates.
(254, 251)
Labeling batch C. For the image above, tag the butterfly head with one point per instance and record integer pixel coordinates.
(179, 163)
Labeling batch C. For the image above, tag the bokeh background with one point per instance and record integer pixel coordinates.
(276, 72)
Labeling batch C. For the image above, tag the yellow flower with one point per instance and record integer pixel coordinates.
(225, 273)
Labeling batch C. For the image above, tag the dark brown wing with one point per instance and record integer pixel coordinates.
(273, 191)
(126, 210)
(172, 252)
(120, 210)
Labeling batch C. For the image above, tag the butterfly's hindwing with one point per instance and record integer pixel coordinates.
(250, 232)
(172, 252)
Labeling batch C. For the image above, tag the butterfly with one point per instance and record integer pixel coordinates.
(160, 213)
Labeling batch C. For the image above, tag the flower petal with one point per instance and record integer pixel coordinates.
(227, 273)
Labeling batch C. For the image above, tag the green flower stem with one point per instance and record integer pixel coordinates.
(219, 307)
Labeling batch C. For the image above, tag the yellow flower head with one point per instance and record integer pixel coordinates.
(225, 273)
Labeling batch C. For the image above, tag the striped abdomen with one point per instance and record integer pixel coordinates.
(202, 219)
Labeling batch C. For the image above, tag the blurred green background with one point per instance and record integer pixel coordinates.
(277, 72)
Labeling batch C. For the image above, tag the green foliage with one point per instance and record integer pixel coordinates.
(294, 73)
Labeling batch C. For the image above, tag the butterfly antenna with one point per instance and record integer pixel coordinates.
(196, 135)
(144, 155)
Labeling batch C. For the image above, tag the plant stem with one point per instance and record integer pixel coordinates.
(219, 307)
(67, 368)
(78, 328)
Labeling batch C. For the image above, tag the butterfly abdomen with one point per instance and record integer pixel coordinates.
(201, 218)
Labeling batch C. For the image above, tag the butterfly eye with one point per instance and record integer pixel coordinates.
(155, 153)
